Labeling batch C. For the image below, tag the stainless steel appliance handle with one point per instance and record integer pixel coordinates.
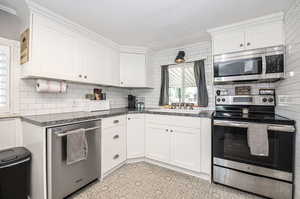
(62, 133)
(271, 127)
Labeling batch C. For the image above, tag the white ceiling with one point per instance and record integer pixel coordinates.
(160, 24)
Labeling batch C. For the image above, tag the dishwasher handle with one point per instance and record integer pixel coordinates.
(62, 133)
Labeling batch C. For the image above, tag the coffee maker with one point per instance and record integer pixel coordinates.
(131, 102)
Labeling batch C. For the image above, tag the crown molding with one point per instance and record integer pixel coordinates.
(133, 49)
(275, 17)
(8, 9)
(37, 9)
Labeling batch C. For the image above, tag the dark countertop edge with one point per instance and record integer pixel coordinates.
(124, 112)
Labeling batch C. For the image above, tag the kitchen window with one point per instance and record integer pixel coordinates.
(182, 84)
(4, 78)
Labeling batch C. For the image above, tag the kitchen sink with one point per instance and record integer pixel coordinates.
(176, 111)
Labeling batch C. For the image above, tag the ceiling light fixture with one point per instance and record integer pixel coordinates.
(180, 57)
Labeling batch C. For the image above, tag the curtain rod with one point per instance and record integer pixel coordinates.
(186, 62)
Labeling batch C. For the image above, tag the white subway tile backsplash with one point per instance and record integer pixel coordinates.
(32, 102)
(288, 90)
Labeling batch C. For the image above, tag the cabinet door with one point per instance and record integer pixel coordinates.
(54, 50)
(93, 62)
(185, 148)
(135, 136)
(157, 143)
(229, 42)
(206, 145)
(132, 70)
(266, 35)
(113, 67)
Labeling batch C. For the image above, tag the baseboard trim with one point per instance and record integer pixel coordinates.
(200, 175)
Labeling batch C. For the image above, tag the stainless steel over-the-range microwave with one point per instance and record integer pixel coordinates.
(265, 64)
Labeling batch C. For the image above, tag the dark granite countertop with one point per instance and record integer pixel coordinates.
(47, 120)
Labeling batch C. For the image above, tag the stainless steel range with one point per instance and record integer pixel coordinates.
(270, 174)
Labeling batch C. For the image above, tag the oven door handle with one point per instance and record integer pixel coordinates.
(62, 133)
(230, 123)
(271, 127)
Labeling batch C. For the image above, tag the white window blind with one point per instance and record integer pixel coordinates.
(4, 78)
(182, 84)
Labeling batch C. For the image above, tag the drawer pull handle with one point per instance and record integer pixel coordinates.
(116, 137)
(116, 121)
(116, 156)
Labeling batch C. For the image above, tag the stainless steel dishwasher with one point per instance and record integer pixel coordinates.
(64, 179)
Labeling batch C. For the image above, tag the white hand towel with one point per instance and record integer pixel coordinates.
(77, 146)
(258, 141)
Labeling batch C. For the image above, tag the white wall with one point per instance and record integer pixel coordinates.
(289, 89)
(193, 52)
(10, 26)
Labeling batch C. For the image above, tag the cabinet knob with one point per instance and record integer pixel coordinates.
(116, 156)
(116, 137)
(85, 77)
(171, 131)
(116, 121)
(80, 76)
(241, 45)
(121, 82)
(129, 118)
(248, 44)
(167, 130)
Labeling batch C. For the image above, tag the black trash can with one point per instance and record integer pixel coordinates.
(15, 173)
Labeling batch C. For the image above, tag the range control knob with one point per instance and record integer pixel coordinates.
(218, 99)
(218, 92)
(271, 100)
(223, 100)
(264, 99)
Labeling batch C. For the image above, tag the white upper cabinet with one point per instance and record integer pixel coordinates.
(60, 51)
(261, 36)
(229, 42)
(113, 67)
(133, 70)
(53, 50)
(252, 34)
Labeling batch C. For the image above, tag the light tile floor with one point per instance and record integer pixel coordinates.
(147, 181)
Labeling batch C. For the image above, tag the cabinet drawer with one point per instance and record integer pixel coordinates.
(112, 137)
(113, 157)
(135, 116)
(113, 121)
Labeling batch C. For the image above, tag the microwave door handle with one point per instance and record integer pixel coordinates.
(62, 133)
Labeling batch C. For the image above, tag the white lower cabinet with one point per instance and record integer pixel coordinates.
(206, 145)
(135, 136)
(169, 139)
(183, 142)
(185, 148)
(113, 147)
(158, 143)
